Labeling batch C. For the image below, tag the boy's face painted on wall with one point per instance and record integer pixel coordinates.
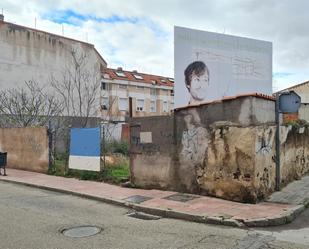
(199, 84)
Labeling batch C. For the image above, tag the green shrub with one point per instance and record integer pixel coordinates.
(85, 175)
(59, 166)
(116, 173)
(114, 146)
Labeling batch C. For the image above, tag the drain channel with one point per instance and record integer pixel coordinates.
(81, 231)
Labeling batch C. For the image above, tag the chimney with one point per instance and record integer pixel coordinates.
(119, 69)
(134, 71)
(1, 18)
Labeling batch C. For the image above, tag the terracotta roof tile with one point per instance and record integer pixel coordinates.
(147, 78)
(257, 95)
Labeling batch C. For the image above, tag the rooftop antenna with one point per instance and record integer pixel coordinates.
(62, 29)
(86, 36)
(35, 22)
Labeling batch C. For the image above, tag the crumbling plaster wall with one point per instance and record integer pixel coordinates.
(294, 153)
(239, 162)
(224, 149)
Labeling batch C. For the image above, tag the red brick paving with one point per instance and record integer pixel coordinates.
(206, 206)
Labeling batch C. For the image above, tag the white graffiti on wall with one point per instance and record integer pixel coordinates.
(242, 66)
(194, 139)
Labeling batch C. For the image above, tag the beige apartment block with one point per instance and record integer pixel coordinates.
(149, 95)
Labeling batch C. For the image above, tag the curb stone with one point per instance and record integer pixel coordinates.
(288, 217)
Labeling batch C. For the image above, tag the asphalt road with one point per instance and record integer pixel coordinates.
(33, 218)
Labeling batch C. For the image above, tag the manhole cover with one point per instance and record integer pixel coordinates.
(81, 231)
(143, 216)
(181, 197)
(137, 199)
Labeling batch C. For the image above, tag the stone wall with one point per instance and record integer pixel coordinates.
(223, 149)
(27, 148)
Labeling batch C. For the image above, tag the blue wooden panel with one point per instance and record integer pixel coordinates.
(85, 142)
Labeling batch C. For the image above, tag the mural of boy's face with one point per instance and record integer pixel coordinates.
(199, 84)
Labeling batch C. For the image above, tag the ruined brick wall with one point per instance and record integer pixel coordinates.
(27, 148)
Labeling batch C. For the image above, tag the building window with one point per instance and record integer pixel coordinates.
(138, 77)
(153, 106)
(105, 103)
(153, 91)
(139, 87)
(164, 91)
(140, 105)
(123, 104)
(122, 86)
(106, 76)
(172, 92)
(103, 85)
(171, 106)
(165, 106)
(120, 74)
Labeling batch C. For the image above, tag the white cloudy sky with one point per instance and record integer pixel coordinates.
(138, 34)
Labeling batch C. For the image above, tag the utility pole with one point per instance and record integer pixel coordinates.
(277, 118)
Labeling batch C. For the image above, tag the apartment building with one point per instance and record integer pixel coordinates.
(144, 94)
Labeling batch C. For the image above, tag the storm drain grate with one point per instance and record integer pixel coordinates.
(137, 199)
(143, 216)
(181, 197)
(81, 231)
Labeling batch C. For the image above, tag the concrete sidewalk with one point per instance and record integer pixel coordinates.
(166, 203)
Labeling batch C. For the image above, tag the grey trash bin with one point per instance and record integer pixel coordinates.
(3, 160)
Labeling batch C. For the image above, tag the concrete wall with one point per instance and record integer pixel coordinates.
(223, 149)
(151, 152)
(302, 90)
(27, 148)
(303, 112)
(29, 54)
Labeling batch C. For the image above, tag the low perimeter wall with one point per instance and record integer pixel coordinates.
(27, 148)
(224, 149)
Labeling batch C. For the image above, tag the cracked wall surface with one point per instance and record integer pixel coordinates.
(204, 153)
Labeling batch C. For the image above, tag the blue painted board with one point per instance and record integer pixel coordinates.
(85, 142)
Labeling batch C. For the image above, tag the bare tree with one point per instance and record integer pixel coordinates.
(78, 86)
(29, 105)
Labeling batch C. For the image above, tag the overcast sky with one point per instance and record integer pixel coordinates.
(138, 34)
